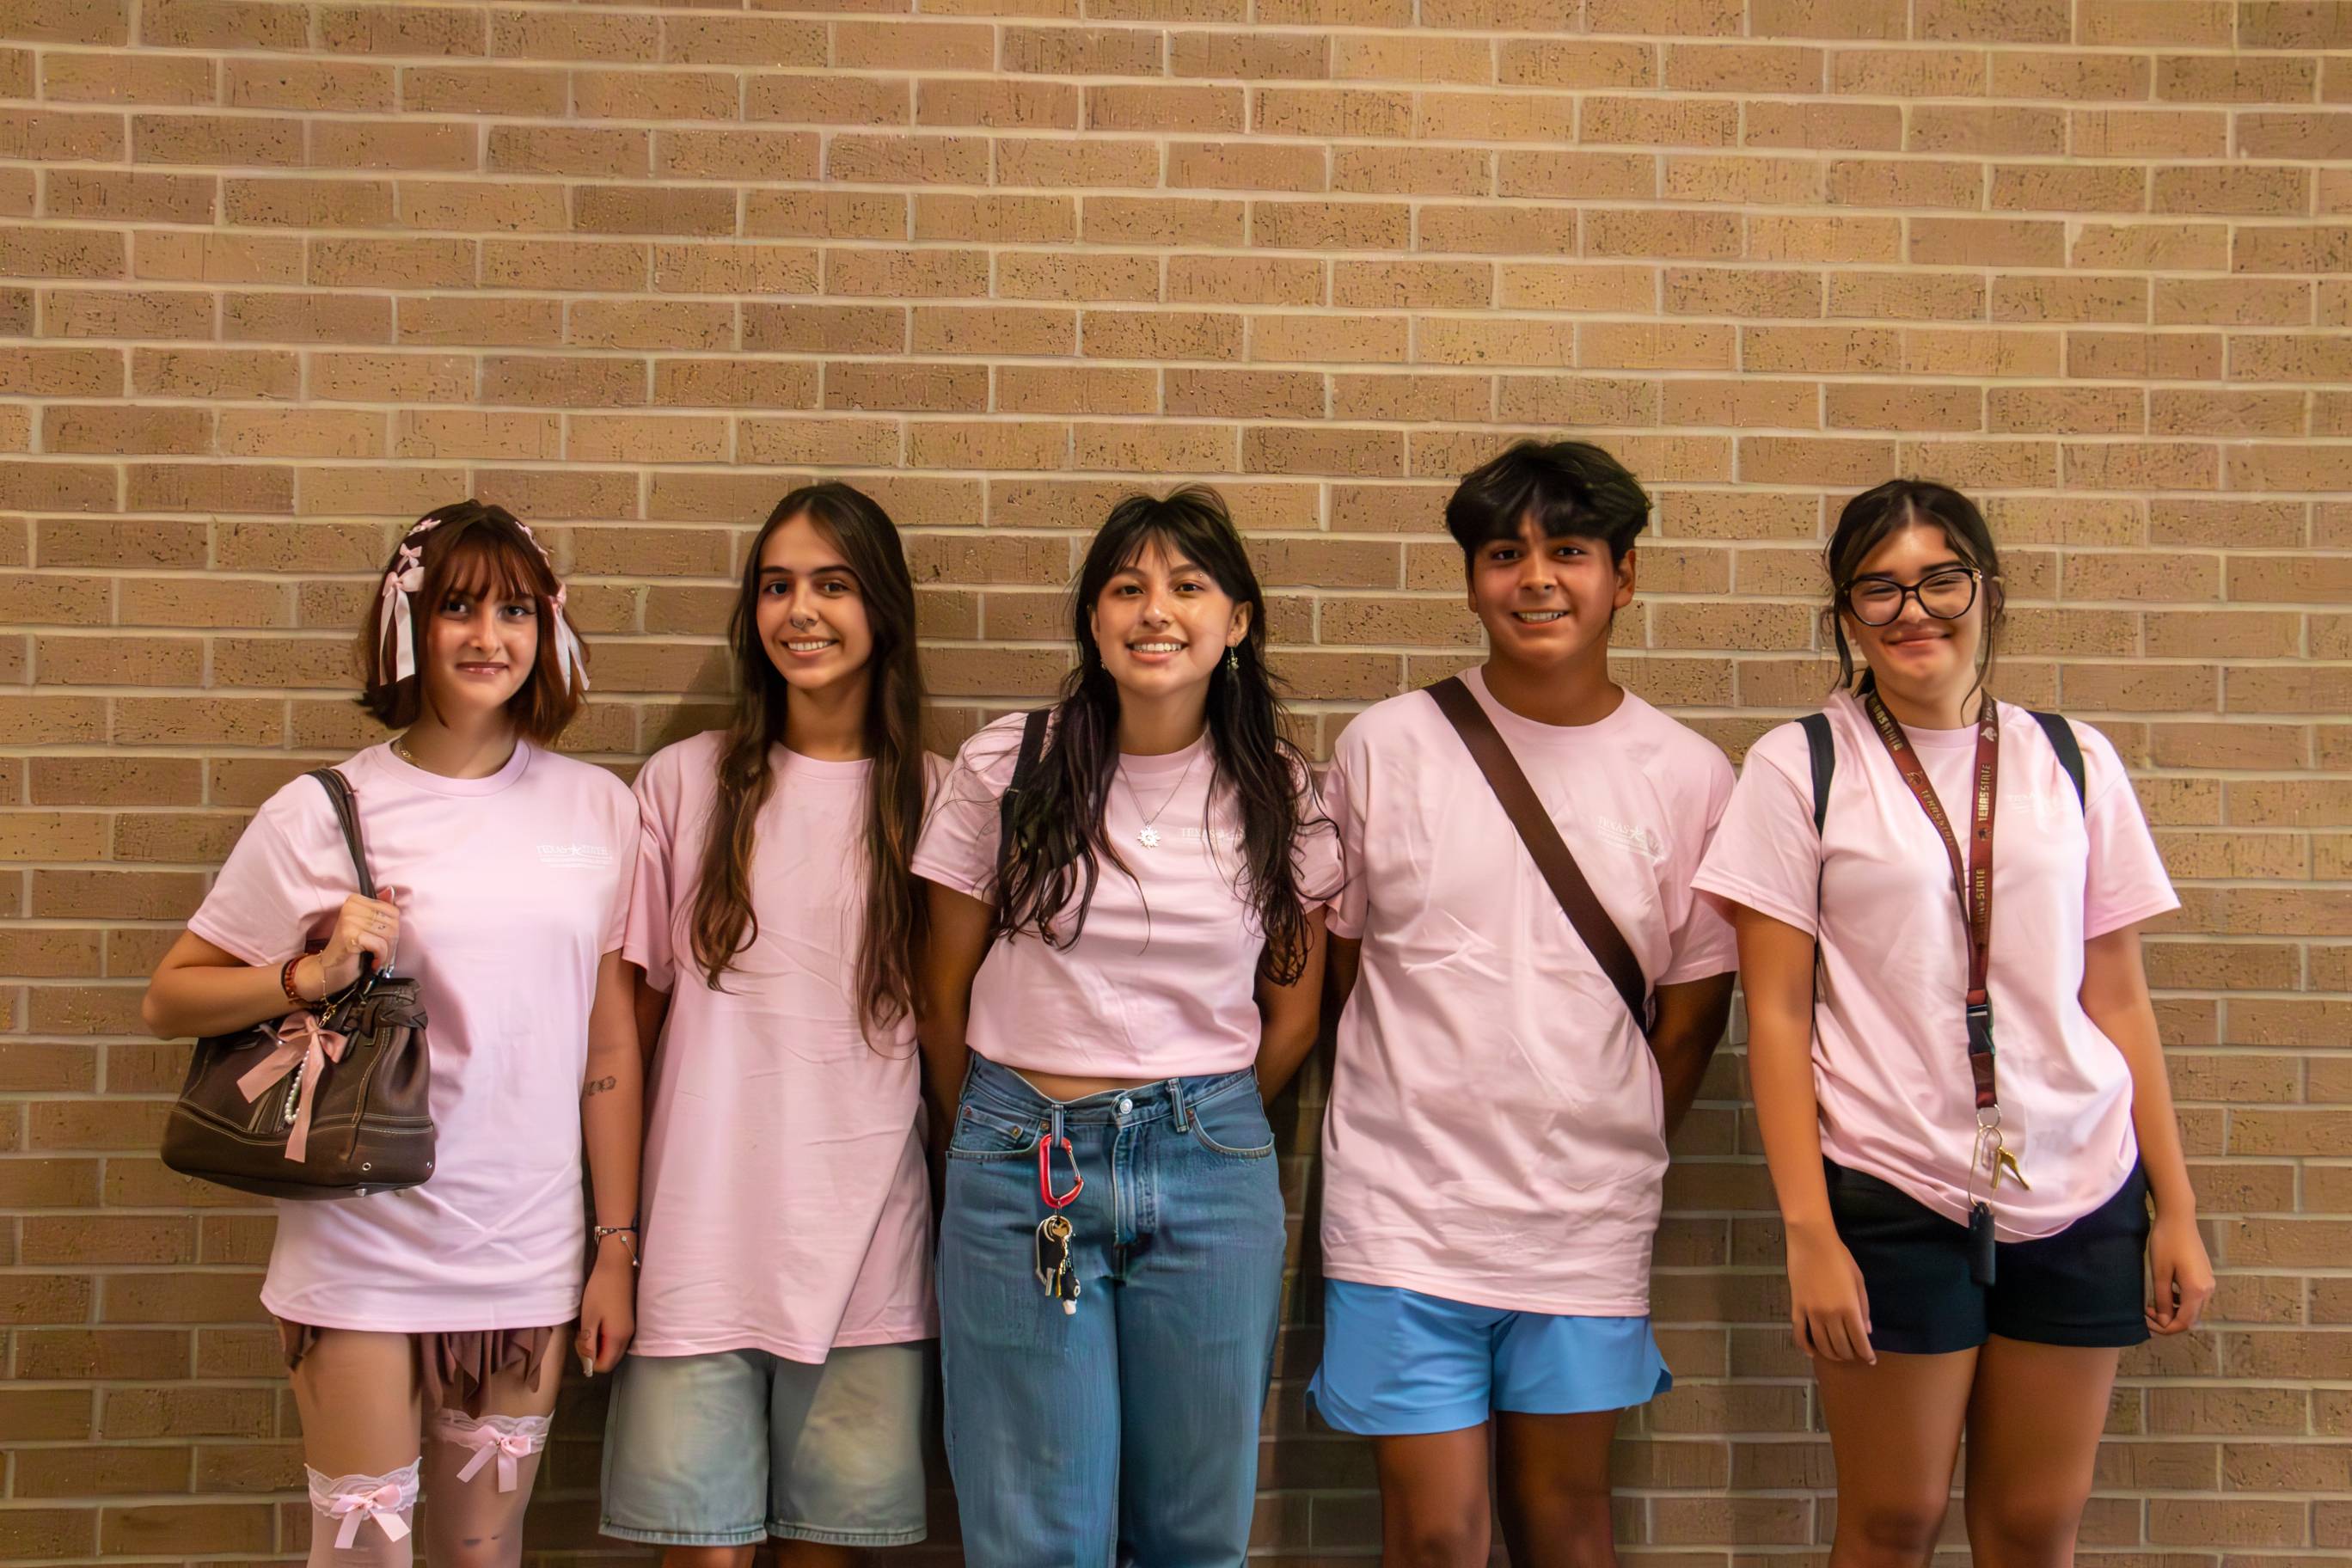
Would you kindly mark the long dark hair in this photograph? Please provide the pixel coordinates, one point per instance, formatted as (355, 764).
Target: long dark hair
(723, 923)
(1054, 859)
(1876, 515)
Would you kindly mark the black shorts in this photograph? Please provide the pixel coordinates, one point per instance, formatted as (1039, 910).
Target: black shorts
(2084, 1286)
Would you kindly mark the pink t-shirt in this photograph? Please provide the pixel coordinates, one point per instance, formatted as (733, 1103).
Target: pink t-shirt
(785, 1204)
(1890, 1037)
(1162, 981)
(1495, 1132)
(512, 888)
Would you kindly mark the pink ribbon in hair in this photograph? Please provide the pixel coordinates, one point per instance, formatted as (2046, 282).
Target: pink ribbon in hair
(570, 657)
(509, 1446)
(382, 1505)
(394, 619)
(300, 1039)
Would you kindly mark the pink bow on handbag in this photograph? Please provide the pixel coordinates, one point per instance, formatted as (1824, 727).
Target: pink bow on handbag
(301, 1039)
(510, 1446)
(382, 1505)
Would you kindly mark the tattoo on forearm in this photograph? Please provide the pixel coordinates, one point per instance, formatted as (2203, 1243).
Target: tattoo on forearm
(596, 1086)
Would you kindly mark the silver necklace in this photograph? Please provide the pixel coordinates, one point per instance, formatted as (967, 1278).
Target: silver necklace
(1148, 835)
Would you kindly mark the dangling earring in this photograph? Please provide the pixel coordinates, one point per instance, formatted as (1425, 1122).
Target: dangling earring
(1233, 662)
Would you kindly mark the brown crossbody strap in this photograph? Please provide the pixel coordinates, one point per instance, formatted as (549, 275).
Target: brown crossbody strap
(1543, 845)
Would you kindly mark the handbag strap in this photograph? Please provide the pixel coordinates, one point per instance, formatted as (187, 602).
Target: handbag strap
(347, 813)
(1544, 844)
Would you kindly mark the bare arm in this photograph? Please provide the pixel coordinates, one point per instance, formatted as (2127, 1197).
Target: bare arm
(652, 1012)
(952, 957)
(611, 1125)
(201, 989)
(1288, 1015)
(1829, 1312)
(2115, 994)
(1683, 1034)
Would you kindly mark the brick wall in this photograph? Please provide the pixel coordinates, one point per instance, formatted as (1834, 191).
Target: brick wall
(276, 276)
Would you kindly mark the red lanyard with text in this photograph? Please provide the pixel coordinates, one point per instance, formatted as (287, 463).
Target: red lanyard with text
(1972, 884)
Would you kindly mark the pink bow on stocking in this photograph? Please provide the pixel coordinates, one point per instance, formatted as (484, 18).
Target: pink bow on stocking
(299, 1040)
(487, 1440)
(382, 1505)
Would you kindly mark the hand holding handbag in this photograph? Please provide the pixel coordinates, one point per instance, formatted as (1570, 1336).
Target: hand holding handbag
(332, 1101)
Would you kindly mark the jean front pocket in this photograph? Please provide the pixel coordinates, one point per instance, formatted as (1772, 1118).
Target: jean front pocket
(983, 1134)
(1233, 1123)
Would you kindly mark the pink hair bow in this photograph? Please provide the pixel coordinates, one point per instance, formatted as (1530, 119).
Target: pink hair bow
(394, 619)
(382, 1505)
(508, 1445)
(570, 657)
(299, 1040)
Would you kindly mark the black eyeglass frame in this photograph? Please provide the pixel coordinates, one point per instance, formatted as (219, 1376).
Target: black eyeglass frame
(1905, 591)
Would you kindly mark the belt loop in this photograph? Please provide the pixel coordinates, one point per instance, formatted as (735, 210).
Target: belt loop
(1176, 1099)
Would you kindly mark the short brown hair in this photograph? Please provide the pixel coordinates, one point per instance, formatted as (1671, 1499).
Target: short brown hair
(481, 550)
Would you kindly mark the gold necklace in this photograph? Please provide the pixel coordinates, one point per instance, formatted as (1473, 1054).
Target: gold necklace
(399, 748)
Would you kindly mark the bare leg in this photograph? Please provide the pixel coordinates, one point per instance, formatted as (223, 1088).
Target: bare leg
(1435, 1508)
(707, 1557)
(476, 1522)
(815, 1554)
(2033, 1439)
(359, 1397)
(1554, 1481)
(1894, 1429)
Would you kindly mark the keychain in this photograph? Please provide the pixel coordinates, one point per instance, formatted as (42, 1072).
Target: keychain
(1051, 1264)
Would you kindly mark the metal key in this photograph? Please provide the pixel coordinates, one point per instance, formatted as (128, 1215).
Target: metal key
(1053, 1262)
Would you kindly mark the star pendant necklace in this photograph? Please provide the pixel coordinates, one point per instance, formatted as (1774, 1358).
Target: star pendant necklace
(1149, 834)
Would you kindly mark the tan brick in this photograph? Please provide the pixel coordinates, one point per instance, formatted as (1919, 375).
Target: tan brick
(837, 100)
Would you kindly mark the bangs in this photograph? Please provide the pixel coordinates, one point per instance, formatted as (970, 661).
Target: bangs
(1182, 537)
(487, 561)
(1556, 515)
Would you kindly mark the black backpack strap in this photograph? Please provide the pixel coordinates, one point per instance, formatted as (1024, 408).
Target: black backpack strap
(2069, 750)
(1824, 747)
(1024, 768)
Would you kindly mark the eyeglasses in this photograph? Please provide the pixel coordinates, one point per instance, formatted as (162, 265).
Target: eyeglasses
(1945, 593)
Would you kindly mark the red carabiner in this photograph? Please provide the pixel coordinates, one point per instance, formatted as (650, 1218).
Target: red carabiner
(1046, 1174)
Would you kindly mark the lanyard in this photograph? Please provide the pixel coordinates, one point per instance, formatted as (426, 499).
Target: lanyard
(1972, 883)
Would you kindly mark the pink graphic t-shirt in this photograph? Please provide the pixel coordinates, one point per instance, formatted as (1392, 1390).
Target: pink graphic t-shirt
(512, 888)
(1495, 1132)
(786, 1207)
(1162, 981)
(1890, 1035)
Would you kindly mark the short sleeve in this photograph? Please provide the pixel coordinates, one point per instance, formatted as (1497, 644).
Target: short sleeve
(646, 941)
(2124, 880)
(269, 897)
(1704, 944)
(958, 849)
(1316, 863)
(1343, 804)
(1766, 853)
(624, 831)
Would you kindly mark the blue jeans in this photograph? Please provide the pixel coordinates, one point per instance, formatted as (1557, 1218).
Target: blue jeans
(1126, 1432)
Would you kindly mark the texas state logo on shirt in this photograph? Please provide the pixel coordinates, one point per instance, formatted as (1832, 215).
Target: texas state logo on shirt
(579, 857)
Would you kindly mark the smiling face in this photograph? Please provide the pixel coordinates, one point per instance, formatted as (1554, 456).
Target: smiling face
(481, 644)
(1919, 656)
(1545, 602)
(811, 608)
(1161, 623)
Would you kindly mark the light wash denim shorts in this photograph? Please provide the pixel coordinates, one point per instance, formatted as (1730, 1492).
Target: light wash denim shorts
(732, 1447)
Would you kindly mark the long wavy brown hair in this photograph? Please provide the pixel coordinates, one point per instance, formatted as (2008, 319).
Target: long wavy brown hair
(723, 923)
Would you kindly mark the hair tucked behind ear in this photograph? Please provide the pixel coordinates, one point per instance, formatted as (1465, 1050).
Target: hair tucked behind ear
(722, 923)
(1054, 861)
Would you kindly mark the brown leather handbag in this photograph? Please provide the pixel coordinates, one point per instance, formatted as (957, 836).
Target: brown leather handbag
(330, 1102)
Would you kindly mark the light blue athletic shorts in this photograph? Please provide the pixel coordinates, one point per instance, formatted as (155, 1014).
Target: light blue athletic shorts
(732, 1447)
(1397, 1363)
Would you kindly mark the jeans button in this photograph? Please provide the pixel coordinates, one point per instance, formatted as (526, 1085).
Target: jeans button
(1125, 1105)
